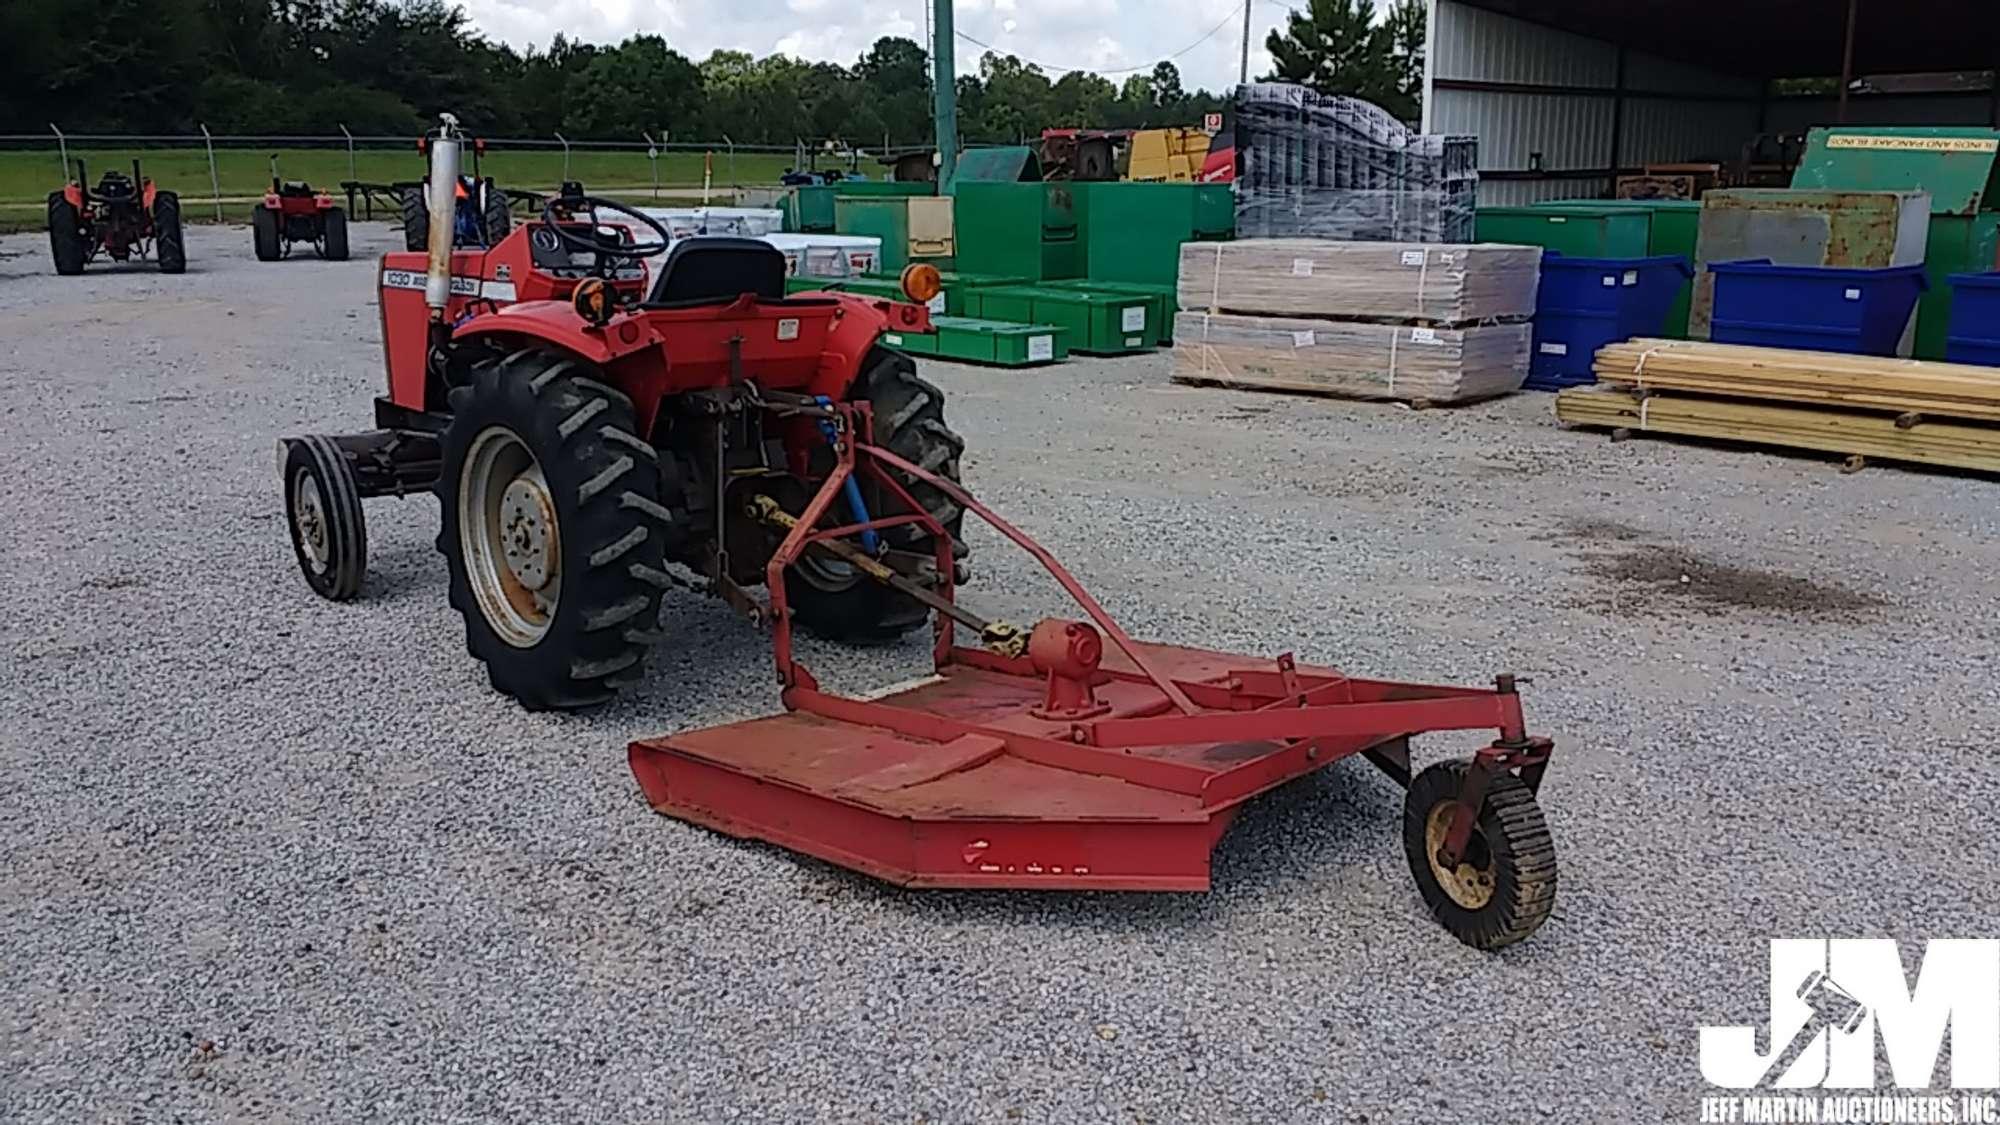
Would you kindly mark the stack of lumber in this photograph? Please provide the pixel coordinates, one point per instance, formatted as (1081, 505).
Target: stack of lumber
(1419, 322)
(1351, 359)
(1400, 281)
(1861, 406)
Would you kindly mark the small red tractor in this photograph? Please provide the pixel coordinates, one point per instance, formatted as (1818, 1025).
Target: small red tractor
(293, 212)
(595, 441)
(479, 208)
(122, 218)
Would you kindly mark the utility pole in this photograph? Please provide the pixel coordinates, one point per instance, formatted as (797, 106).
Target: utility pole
(1244, 75)
(944, 79)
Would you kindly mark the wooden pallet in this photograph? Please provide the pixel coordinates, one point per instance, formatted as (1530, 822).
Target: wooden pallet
(1914, 388)
(1859, 435)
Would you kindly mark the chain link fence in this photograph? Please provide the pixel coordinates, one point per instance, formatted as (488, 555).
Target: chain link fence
(220, 175)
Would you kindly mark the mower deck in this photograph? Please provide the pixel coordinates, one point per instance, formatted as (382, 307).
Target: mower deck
(971, 805)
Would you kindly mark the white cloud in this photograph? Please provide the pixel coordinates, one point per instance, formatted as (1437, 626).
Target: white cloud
(1095, 34)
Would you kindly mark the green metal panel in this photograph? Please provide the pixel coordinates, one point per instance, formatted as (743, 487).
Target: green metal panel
(886, 219)
(1014, 164)
(1017, 230)
(1579, 230)
(1099, 323)
(1958, 244)
(809, 209)
(1134, 232)
(1958, 166)
(882, 188)
(1214, 212)
(1675, 229)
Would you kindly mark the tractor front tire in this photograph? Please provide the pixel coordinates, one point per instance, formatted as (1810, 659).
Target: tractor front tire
(553, 530)
(66, 240)
(168, 248)
(416, 219)
(323, 508)
(495, 220)
(1504, 886)
(831, 599)
(264, 234)
(333, 235)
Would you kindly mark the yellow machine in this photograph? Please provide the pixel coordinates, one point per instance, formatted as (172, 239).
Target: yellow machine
(1173, 156)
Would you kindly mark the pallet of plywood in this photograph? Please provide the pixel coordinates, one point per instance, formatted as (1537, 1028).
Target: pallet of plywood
(1852, 433)
(1350, 359)
(1901, 386)
(1433, 284)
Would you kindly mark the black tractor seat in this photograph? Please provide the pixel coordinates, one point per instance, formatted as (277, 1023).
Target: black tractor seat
(716, 270)
(296, 189)
(115, 186)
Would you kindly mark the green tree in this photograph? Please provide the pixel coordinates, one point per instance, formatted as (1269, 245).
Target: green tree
(1167, 92)
(637, 87)
(1408, 34)
(1336, 47)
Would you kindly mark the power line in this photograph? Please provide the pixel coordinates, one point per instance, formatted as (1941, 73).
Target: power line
(1226, 21)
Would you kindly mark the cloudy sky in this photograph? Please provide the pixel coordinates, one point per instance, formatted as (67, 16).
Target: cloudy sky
(1102, 35)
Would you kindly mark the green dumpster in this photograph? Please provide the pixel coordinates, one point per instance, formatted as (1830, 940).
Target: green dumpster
(1675, 229)
(1580, 230)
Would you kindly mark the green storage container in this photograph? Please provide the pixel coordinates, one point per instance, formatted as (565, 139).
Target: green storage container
(1133, 232)
(1214, 212)
(1164, 301)
(998, 343)
(1017, 230)
(892, 219)
(883, 188)
(1580, 230)
(1675, 229)
(1098, 323)
(809, 209)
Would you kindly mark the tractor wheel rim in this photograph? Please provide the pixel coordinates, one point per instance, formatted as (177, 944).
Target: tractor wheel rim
(510, 537)
(1469, 885)
(309, 520)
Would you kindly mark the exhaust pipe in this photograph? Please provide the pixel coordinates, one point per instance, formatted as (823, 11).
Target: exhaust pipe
(443, 190)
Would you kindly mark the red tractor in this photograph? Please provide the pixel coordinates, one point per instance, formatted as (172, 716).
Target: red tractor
(293, 212)
(123, 218)
(595, 440)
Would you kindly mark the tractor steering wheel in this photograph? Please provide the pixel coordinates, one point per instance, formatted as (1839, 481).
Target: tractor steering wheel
(559, 215)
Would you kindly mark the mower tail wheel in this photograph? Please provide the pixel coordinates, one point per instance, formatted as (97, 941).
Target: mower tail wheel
(832, 600)
(323, 507)
(553, 530)
(494, 217)
(333, 236)
(66, 241)
(168, 247)
(416, 219)
(1504, 886)
(264, 234)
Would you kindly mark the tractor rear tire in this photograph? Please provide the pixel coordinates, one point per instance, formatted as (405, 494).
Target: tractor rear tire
(1504, 887)
(168, 247)
(547, 490)
(66, 241)
(264, 234)
(323, 509)
(495, 220)
(416, 219)
(333, 236)
(834, 602)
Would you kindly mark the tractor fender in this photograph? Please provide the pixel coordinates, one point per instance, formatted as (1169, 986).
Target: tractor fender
(73, 193)
(556, 324)
(146, 197)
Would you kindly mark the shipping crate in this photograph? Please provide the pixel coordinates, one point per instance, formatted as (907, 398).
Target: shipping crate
(1387, 281)
(994, 343)
(1099, 323)
(1350, 359)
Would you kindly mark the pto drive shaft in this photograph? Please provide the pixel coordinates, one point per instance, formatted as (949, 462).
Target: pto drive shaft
(998, 636)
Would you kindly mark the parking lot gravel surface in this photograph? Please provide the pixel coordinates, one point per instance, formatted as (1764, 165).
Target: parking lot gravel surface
(266, 858)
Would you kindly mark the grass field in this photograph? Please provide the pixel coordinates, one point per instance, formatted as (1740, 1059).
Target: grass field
(27, 177)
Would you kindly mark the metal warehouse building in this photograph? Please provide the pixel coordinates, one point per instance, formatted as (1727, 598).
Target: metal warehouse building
(1563, 94)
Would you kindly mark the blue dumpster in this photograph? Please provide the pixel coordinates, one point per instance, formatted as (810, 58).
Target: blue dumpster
(1815, 308)
(1586, 303)
(1975, 319)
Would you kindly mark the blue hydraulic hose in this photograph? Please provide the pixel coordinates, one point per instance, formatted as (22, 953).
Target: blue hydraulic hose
(851, 488)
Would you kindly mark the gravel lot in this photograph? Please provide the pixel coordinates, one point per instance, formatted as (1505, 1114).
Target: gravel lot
(270, 859)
